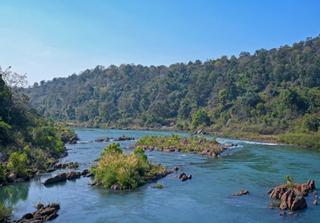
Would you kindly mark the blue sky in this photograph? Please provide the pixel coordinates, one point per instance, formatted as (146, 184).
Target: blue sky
(55, 38)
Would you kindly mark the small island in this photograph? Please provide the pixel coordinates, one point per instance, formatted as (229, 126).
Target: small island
(118, 170)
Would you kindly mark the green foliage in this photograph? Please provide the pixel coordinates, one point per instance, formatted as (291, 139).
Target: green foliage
(193, 144)
(5, 213)
(2, 173)
(112, 149)
(18, 164)
(290, 181)
(200, 117)
(159, 185)
(268, 92)
(127, 170)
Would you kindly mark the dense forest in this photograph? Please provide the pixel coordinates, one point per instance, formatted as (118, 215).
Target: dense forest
(271, 92)
(29, 143)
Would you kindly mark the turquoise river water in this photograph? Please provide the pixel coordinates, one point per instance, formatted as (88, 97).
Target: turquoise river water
(254, 166)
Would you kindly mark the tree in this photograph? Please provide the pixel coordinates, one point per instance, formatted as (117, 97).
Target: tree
(223, 96)
(18, 164)
(200, 117)
(15, 83)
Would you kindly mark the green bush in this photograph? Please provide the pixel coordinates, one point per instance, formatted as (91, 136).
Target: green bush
(127, 170)
(18, 164)
(159, 185)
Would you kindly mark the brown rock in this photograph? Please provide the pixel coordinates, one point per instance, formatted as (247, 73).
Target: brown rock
(283, 205)
(181, 175)
(175, 168)
(282, 213)
(299, 204)
(27, 216)
(190, 177)
(47, 211)
(315, 202)
(184, 178)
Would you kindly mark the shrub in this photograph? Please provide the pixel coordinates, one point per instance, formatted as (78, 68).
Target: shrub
(18, 164)
(2, 173)
(5, 213)
(159, 185)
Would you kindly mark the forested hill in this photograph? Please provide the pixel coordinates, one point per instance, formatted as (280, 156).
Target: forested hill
(269, 92)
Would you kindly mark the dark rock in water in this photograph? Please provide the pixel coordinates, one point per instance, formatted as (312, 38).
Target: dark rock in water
(184, 178)
(89, 175)
(283, 213)
(73, 175)
(116, 187)
(42, 214)
(123, 138)
(299, 204)
(84, 172)
(181, 175)
(190, 177)
(56, 179)
(175, 168)
(242, 192)
(27, 216)
(270, 191)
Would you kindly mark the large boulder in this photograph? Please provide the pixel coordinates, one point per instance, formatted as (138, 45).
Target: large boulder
(56, 179)
(299, 204)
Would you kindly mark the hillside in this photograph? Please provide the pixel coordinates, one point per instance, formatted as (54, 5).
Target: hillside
(271, 92)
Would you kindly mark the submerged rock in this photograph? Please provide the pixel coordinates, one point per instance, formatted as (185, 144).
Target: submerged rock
(242, 192)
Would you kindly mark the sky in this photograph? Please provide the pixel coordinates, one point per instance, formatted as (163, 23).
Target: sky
(56, 38)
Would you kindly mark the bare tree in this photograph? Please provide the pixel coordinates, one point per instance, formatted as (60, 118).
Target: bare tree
(15, 84)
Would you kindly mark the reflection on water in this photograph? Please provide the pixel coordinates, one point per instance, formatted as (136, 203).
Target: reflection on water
(206, 198)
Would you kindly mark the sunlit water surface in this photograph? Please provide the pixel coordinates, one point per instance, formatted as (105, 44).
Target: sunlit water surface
(254, 166)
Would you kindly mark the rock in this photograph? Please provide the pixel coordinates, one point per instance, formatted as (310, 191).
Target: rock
(56, 179)
(89, 175)
(27, 216)
(47, 211)
(283, 205)
(242, 192)
(181, 175)
(124, 138)
(116, 187)
(184, 178)
(12, 177)
(299, 204)
(270, 191)
(175, 168)
(282, 213)
(84, 172)
(73, 175)
(190, 177)
(315, 202)
(52, 216)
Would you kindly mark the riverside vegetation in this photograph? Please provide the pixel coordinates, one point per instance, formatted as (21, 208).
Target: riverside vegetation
(119, 170)
(272, 94)
(29, 143)
(177, 143)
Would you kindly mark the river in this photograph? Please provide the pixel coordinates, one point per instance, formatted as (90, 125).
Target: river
(254, 166)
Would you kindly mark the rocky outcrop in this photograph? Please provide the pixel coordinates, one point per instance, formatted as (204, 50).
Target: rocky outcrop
(42, 214)
(292, 195)
(242, 192)
(59, 166)
(73, 175)
(123, 138)
(183, 177)
(59, 178)
(105, 139)
(199, 132)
